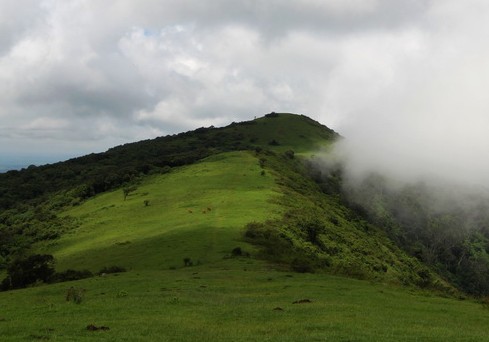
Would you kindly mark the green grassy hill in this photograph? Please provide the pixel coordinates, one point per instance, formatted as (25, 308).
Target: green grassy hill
(259, 199)
(96, 173)
(197, 211)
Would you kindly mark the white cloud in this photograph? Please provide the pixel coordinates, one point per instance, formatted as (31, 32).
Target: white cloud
(404, 81)
(430, 120)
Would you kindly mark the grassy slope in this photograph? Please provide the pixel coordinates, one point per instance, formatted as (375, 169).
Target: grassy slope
(221, 298)
(291, 131)
(196, 212)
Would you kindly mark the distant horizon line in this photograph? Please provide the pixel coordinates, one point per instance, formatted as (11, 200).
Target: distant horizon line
(19, 162)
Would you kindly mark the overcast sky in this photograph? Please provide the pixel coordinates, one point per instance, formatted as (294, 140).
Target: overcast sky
(402, 80)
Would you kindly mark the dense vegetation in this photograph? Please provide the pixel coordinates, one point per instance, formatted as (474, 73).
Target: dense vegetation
(363, 231)
(444, 227)
(318, 232)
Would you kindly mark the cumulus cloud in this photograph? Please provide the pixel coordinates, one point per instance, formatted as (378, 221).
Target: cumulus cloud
(403, 81)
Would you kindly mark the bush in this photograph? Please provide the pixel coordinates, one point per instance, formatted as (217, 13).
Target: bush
(237, 251)
(70, 275)
(24, 272)
(289, 154)
(276, 245)
(111, 269)
(74, 294)
(187, 262)
(302, 265)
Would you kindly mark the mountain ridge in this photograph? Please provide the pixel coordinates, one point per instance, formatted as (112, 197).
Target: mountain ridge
(98, 172)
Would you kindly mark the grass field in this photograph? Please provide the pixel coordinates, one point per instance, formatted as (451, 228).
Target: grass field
(236, 300)
(199, 212)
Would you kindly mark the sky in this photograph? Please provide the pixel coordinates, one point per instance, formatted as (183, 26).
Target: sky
(404, 82)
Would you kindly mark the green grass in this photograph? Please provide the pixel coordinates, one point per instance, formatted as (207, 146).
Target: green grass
(234, 300)
(290, 131)
(220, 298)
(196, 211)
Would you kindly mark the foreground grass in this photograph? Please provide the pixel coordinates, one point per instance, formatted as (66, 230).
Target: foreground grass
(236, 300)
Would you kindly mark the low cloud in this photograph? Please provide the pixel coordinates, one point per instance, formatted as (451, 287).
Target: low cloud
(429, 120)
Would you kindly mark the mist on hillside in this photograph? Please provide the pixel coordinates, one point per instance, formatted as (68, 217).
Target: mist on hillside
(424, 181)
(427, 141)
(413, 159)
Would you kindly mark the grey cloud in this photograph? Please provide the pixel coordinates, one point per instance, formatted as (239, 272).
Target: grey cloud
(399, 79)
(279, 17)
(16, 20)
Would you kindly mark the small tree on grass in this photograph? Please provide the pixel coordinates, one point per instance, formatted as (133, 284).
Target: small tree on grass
(127, 190)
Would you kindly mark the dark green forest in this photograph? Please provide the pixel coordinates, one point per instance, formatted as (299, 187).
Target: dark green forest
(445, 228)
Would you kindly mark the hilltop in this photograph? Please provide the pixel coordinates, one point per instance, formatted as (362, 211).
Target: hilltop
(99, 172)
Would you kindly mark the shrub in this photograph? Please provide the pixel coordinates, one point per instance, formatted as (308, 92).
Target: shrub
(254, 230)
(334, 221)
(237, 251)
(75, 294)
(187, 261)
(424, 278)
(312, 228)
(484, 301)
(70, 275)
(111, 269)
(289, 154)
(302, 265)
(276, 245)
(24, 272)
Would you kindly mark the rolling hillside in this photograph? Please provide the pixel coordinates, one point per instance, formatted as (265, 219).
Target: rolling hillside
(233, 241)
(197, 211)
